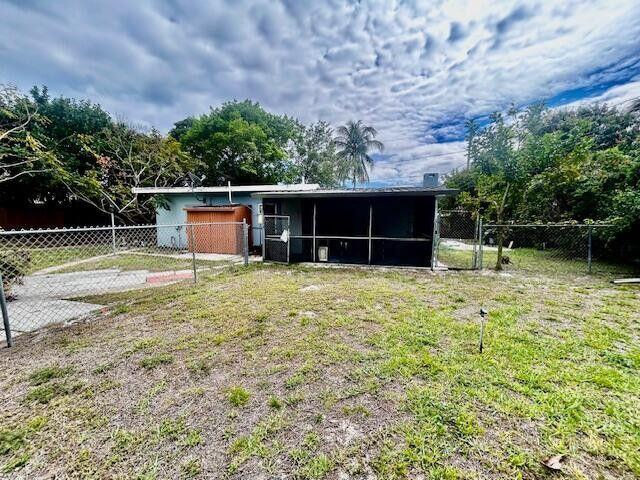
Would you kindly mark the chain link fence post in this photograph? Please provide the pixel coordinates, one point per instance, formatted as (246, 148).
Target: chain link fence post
(113, 234)
(193, 255)
(435, 240)
(474, 262)
(5, 314)
(480, 244)
(245, 242)
(589, 244)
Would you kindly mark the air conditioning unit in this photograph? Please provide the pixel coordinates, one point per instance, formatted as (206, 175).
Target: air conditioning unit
(323, 254)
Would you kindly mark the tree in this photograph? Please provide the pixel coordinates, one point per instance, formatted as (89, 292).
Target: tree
(354, 142)
(20, 153)
(181, 127)
(558, 165)
(242, 143)
(60, 131)
(472, 131)
(61, 151)
(128, 158)
(313, 152)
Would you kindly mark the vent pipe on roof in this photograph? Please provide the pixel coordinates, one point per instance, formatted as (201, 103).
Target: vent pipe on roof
(430, 180)
(229, 185)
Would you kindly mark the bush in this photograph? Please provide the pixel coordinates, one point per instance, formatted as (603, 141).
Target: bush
(14, 265)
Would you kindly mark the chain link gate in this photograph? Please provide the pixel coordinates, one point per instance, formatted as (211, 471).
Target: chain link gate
(457, 244)
(276, 246)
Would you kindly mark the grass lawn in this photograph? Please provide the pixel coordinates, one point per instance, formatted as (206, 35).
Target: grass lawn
(40, 258)
(530, 260)
(128, 262)
(274, 372)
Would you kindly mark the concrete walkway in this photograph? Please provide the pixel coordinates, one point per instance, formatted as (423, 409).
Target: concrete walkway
(44, 299)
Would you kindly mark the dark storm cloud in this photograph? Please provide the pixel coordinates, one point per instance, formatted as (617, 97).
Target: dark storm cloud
(413, 69)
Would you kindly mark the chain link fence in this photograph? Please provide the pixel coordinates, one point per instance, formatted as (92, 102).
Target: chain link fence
(551, 249)
(57, 275)
(457, 240)
(464, 242)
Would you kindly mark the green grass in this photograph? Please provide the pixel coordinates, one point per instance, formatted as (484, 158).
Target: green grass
(49, 257)
(45, 374)
(238, 396)
(384, 379)
(191, 468)
(153, 361)
(530, 260)
(129, 262)
(98, 257)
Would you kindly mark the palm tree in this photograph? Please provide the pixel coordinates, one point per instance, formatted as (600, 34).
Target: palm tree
(354, 142)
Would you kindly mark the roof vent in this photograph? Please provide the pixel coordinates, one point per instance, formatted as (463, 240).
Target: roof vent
(430, 180)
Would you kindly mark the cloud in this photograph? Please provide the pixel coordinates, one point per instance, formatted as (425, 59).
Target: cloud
(413, 69)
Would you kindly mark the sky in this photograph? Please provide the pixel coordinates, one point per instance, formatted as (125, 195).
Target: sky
(414, 70)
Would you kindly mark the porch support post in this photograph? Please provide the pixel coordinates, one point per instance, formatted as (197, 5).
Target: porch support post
(314, 231)
(434, 239)
(370, 228)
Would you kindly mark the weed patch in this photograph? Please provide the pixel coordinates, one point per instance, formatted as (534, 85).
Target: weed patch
(238, 396)
(44, 375)
(153, 361)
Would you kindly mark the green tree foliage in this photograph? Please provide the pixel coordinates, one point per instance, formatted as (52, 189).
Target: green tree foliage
(21, 155)
(554, 166)
(58, 151)
(64, 129)
(240, 142)
(314, 155)
(127, 158)
(355, 141)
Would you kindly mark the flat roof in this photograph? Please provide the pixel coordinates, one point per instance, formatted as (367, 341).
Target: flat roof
(295, 187)
(363, 192)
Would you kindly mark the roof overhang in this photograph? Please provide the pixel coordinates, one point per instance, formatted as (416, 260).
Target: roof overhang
(223, 190)
(364, 192)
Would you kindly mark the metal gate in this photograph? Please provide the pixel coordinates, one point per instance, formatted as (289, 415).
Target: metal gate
(276, 244)
(457, 241)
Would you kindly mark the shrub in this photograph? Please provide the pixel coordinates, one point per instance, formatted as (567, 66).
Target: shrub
(14, 265)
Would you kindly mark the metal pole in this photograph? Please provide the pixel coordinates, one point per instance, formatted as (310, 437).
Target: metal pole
(314, 231)
(480, 244)
(245, 241)
(589, 249)
(288, 239)
(113, 233)
(370, 229)
(193, 256)
(434, 238)
(5, 314)
(264, 236)
(475, 243)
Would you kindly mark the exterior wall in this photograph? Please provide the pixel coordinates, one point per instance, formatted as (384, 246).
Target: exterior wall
(176, 215)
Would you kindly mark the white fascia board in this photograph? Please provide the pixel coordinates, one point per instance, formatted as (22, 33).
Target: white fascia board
(234, 188)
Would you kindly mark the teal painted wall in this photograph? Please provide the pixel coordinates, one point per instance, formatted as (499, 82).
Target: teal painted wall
(176, 215)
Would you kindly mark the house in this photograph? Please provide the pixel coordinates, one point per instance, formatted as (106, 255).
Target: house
(232, 203)
(378, 226)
